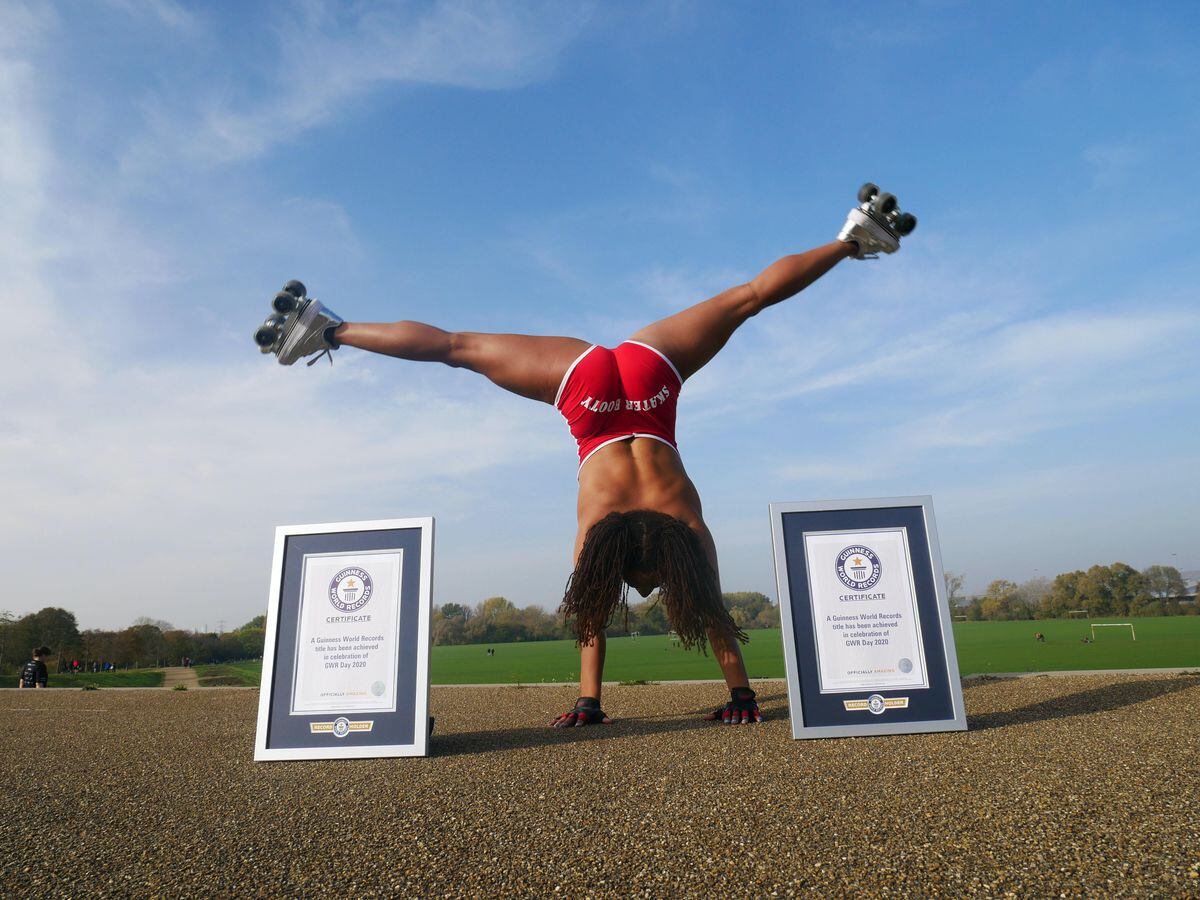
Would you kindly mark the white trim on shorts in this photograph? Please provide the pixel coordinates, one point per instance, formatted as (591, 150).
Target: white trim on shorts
(624, 437)
(562, 384)
(661, 354)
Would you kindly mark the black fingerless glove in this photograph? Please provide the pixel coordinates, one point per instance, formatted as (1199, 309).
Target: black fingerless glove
(588, 709)
(741, 708)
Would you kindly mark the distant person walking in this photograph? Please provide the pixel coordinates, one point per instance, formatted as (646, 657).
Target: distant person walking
(33, 673)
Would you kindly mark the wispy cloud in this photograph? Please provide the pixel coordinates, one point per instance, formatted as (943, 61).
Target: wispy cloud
(850, 330)
(669, 290)
(1077, 343)
(145, 217)
(141, 458)
(1027, 379)
(165, 12)
(1112, 162)
(327, 59)
(22, 24)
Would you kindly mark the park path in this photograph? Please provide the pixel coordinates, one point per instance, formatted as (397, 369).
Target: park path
(180, 675)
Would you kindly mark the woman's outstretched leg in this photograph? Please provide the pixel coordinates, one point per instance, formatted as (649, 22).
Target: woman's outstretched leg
(524, 364)
(692, 337)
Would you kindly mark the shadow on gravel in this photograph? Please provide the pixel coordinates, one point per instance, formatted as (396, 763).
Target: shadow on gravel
(1104, 699)
(766, 703)
(543, 736)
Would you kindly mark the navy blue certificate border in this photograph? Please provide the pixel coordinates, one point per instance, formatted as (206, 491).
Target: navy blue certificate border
(939, 706)
(287, 732)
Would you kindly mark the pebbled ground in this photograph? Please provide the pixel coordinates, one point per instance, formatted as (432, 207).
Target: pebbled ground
(1080, 786)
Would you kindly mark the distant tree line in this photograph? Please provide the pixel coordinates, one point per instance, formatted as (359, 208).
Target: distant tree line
(150, 642)
(147, 642)
(1115, 590)
(497, 621)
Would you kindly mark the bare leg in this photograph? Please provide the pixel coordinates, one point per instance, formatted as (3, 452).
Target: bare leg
(694, 336)
(530, 366)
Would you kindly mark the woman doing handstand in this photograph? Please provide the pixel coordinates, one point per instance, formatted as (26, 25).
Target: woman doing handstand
(640, 519)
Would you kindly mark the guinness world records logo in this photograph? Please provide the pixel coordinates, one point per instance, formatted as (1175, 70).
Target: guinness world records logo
(859, 568)
(350, 589)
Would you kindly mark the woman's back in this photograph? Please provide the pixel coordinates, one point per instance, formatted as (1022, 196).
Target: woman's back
(639, 473)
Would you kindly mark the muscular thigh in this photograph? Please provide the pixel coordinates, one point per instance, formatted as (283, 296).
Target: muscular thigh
(525, 364)
(694, 336)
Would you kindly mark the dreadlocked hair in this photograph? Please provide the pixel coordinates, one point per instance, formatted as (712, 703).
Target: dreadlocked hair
(687, 584)
(597, 586)
(652, 542)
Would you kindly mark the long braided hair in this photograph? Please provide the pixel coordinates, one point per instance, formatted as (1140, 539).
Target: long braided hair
(652, 542)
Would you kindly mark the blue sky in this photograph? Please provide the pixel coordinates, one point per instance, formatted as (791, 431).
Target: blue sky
(1028, 358)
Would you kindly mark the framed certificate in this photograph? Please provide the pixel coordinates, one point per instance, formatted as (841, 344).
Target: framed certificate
(867, 637)
(346, 660)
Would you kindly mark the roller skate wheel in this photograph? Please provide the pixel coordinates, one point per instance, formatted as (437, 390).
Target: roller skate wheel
(296, 289)
(867, 191)
(906, 223)
(885, 203)
(266, 336)
(285, 302)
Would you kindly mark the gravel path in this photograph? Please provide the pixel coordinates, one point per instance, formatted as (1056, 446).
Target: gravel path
(174, 675)
(1082, 786)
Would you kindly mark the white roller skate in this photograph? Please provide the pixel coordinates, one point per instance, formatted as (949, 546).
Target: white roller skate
(876, 224)
(300, 326)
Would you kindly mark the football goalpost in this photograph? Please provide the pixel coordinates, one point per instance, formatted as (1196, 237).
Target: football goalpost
(1078, 612)
(1128, 625)
(962, 618)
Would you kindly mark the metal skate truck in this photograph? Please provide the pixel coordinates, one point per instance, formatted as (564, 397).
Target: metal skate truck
(877, 223)
(299, 326)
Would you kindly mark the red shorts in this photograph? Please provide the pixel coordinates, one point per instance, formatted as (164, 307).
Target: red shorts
(612, 395)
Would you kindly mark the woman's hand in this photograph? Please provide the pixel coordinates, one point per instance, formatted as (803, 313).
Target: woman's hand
(587, 711)
(742, 709)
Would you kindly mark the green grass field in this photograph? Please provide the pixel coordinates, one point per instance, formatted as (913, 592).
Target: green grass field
(130, 678)
(648, 658)
(1167, 642)
(983, 647)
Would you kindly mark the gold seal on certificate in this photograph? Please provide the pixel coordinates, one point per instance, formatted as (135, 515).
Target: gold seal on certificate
(864, 611)
(346, 640)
